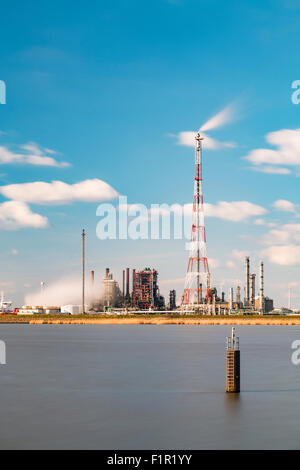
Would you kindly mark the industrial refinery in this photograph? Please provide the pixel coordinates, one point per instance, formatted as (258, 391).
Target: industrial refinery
(140, 293)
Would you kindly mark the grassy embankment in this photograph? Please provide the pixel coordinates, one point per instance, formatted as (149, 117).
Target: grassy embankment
(159, 319)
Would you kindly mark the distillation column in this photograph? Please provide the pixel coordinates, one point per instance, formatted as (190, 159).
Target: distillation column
(252, 289)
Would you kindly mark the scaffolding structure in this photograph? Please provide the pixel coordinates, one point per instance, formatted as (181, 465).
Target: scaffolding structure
(144, 289)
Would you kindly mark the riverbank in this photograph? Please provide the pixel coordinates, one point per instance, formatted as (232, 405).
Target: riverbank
(150, 320)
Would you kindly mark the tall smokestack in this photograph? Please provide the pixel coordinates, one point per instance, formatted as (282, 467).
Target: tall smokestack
(247, 272)
(83, 269)
(123, 290)
(106, 273)
(252, 289)
(92, 278)
(261, 288)
(133, 287)
(127, 282)
(238, 295)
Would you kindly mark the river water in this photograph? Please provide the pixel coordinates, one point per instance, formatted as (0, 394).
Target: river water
(147, 387)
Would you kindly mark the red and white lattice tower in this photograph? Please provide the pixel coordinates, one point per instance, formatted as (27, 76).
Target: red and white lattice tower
(197, 281)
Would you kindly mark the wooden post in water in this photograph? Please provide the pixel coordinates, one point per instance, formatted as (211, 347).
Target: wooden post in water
(232, 363)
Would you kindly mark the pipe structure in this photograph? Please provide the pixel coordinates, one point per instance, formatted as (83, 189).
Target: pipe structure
(92, 278)
(83, 269)
(127, 282)
(133, 286)
(106, 273)
(247, 280)
(238, 295)
(123, 289)
(230, 298)
(261, 287)
(247, 272)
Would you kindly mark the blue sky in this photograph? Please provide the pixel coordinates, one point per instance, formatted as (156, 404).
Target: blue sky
(108, 86)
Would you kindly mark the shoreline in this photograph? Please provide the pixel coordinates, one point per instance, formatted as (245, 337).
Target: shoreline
(156, 320)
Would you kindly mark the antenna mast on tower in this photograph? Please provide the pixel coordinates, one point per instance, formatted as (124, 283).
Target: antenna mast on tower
(197, 281)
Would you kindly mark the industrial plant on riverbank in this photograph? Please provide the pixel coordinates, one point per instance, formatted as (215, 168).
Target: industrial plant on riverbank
(140, 291)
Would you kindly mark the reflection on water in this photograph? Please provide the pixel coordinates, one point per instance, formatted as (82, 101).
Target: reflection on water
(232, 400)
(141, 386)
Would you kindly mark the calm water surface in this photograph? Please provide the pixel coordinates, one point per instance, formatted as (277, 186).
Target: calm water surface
(147, 387)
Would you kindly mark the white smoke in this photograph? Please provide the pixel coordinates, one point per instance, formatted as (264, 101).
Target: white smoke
(66, 291)
(225, 116)
(188, 138)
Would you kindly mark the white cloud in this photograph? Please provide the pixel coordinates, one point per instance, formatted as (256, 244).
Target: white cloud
(287, 142)
(32, 155)
(284, 205)
(276, 236)
(285, 255)
(16, 214)
(58, 192)
(32, 147)
(272, 170)
(260, 221)
(235, 211)
(288, 233)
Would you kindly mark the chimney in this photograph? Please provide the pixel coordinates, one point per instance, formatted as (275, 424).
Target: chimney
(261, 288)
(123, 283)
(92, 278)
(247, 270)
(127, 282)
(133, 287)
(106, 273)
